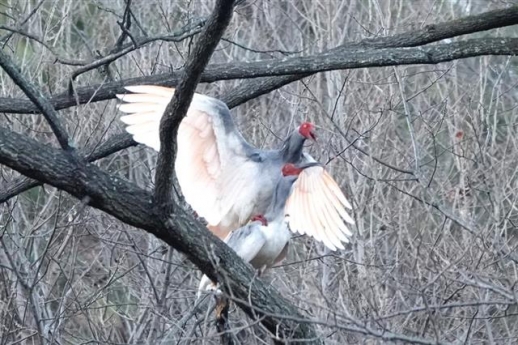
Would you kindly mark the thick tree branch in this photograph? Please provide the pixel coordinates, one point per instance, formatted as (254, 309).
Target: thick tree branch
(134, 206)
(38, 99)
(257, 87)
(114, 144)
(440, 31)
(335, 60)
(428, 34)
(369, 58)
(177, 108)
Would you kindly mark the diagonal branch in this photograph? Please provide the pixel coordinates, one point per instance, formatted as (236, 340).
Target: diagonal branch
(177, 108)
(134, 206)
(453, 28)
(41, 102)
(338, 59)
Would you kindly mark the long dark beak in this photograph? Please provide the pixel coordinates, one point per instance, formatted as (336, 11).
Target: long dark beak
(309, 165)
(316, 143)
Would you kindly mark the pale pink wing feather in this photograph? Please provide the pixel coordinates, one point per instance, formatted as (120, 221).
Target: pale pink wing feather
(214, 173)
(317, 207)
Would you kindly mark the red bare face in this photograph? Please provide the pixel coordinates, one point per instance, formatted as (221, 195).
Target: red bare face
(290, 170)
(307, 130)
(260, 218)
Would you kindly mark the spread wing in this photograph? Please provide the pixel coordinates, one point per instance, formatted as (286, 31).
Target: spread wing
(317, 207)
(212, 163)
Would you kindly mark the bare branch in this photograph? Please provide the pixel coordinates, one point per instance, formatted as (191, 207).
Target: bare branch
(177, 108)
(38, 99)
(134, 206)
(362, 58)
(440, 31)
(429, 34)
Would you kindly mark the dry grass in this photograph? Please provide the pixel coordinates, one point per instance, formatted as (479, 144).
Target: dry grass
(434, 252)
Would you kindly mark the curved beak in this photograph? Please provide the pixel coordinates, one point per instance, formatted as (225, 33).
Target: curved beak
(312, 136)
(315, 142)
(310, 165)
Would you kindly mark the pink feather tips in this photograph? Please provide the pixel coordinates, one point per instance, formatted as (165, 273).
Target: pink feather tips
(307, 130)
(260, 218)
(290, 170)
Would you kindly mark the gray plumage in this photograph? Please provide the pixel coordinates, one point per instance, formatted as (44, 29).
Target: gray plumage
(263, 246)
(226, 180)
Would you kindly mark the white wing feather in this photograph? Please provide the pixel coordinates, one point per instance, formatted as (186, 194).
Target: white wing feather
(213, 170)
(316, 207)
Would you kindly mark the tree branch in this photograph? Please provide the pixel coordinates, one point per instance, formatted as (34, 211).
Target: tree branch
(44, 106)
(428, 34)
(362, 58)
(453, 28)
(134, 206)
(114, 144)
(177, 108)
(254, 88)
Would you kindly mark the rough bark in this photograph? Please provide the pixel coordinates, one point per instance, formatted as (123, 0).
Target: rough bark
(134, 206)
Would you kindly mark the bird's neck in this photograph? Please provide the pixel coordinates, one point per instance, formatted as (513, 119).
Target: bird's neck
(280, 196)
(292, 148)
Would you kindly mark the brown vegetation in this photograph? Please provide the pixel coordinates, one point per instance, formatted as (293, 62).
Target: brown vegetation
(416, 120)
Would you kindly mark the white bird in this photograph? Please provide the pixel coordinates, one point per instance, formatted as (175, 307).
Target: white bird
(264, 241)
(226, 180)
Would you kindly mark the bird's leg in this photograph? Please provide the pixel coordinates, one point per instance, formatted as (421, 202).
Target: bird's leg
(260, 271)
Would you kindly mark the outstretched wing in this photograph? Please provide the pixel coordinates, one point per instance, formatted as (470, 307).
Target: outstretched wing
(317, 207)
(213, 162)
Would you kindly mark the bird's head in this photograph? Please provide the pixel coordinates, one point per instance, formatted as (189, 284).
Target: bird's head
(259, 218)
(307, 130)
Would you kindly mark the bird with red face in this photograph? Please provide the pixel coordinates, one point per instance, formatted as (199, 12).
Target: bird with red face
(264, 241)
(226, 180)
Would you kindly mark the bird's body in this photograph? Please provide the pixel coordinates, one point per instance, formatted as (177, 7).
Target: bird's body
(272, 237)
(262, 166)
(245, 163)
(276, 238)
(264, 241)
(260, 245)
(226, 180)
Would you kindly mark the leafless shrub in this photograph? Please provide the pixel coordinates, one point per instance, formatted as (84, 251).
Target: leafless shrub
(427, 154)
